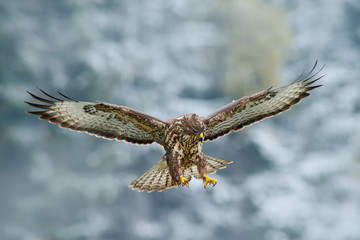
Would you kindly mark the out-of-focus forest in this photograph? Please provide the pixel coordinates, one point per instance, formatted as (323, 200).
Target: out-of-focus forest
(294, 176)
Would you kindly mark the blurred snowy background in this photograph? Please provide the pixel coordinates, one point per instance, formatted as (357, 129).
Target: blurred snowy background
(295, 176)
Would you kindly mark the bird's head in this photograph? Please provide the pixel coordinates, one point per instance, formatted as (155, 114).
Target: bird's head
(194, 125)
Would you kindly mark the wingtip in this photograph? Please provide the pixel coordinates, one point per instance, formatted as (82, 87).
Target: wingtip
(50, 96)
(308, 78)
(313, 87)
(37, 113)
(40, 99)
(31, 94)
(41, 106)
(69, 98)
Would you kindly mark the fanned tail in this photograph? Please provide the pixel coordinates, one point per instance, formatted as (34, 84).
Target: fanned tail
(214, 163)
(158, 176)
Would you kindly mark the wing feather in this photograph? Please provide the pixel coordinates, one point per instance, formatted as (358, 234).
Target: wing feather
(100, 119)
(250, 109)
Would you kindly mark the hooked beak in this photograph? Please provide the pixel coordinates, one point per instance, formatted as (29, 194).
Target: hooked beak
(201, 136)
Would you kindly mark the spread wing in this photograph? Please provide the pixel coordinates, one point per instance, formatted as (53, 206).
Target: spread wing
(250, 109)
(100, 119)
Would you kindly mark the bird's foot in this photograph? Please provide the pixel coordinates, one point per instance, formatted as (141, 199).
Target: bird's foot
(210, 181)
(184, 181)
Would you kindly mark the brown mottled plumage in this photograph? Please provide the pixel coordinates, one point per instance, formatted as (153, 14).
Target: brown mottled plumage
(182, 137)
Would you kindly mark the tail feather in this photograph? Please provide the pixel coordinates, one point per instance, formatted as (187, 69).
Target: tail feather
(187, 173)
(194, 171)
(154, 181)
(164, 180)
(214, 163)
(149, 180)
(158, 176)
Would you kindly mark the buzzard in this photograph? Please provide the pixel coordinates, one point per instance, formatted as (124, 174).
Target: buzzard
(181, 137)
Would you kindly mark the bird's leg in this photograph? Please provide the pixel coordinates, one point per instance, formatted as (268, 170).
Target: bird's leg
(173, 161)
(201, 165)
(208, 180)
(184, 181)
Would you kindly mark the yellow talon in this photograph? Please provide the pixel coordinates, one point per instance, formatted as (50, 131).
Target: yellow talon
(210, 181)
(184, 181)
